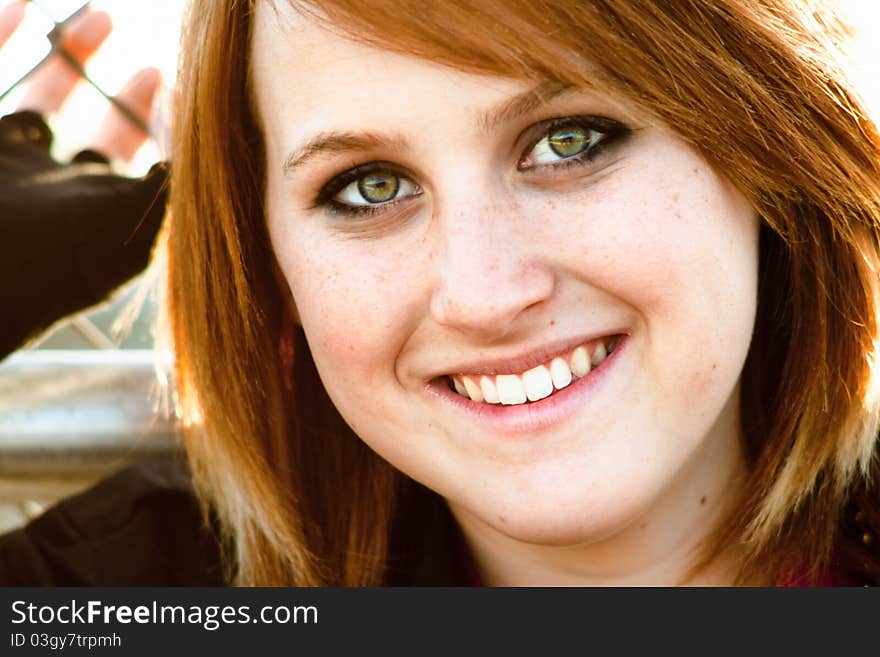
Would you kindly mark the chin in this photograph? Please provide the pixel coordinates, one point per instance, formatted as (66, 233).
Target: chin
(561, 521)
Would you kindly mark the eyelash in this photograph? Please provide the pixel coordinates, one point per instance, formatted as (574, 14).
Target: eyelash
(613, 133)
(343, 180)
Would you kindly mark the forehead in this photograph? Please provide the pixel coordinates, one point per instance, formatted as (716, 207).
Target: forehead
(302, 68)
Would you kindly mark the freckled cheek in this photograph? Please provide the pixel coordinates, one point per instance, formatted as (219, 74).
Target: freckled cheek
(329, 298)
(669, 242)
(705, 378)
(354, 313)
(683, 259)
(633, 246)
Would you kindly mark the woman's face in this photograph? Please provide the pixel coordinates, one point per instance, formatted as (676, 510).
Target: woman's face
(440, 229)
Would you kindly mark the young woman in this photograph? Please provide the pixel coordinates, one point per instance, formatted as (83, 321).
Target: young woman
(527, 292)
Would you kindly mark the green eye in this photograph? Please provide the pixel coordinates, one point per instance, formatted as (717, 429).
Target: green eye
(371, 187)
(568, 141)
(379, 186)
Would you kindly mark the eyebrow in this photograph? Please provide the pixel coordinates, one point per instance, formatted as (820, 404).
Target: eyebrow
(521, 104)
(340, 142)
(336, 142)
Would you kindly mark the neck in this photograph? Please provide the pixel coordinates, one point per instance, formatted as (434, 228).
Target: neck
(658, 548)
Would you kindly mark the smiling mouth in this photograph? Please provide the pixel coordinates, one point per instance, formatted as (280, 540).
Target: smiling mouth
(538, 382)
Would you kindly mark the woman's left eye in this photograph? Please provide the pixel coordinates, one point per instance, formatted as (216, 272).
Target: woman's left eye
(373, 188)
(571, 139)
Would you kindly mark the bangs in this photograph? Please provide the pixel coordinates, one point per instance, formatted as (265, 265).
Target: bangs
(522, 40)
(704, 68)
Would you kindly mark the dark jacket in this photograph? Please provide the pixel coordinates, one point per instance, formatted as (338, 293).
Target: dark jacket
(142, 527)
(69, 233)
(139, 527)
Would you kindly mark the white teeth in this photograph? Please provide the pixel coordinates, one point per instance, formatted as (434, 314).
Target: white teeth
(537, 383)
(510, 389)
(473, 390)
(580, 362)
(490, 394)
(560, 373)
(599, 354)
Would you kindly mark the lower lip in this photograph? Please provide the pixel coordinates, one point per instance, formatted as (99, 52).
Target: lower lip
(541, 415)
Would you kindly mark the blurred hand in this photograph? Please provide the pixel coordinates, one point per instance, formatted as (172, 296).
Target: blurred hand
(10, 17)
(117, 137)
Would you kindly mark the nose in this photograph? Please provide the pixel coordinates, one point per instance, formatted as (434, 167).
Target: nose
(491, 276)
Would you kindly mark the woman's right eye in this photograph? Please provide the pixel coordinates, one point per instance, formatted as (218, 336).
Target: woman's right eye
(367, 189)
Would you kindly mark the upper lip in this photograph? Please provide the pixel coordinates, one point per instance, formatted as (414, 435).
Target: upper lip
(525, 360)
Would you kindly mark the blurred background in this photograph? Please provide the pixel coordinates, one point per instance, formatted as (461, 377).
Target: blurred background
(144, 34)
(87, 396)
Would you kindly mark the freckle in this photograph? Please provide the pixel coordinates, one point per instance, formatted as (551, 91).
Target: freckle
(703, 500)
(675, 197)
(642, 525)
(502, 520)
(552, 322)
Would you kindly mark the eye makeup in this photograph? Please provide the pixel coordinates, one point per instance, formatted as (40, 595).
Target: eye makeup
(570, 141)
(551, 148)
(356, 176)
